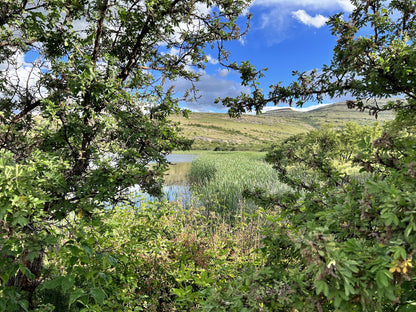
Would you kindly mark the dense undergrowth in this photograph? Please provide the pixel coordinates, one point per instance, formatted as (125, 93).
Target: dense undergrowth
(160, 257)
(301, 232)
(343, 236)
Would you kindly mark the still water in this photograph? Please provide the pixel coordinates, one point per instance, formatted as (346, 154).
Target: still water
(180, 158)
(176, 180)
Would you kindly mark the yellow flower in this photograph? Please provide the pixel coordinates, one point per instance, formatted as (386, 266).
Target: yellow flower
(399, 266)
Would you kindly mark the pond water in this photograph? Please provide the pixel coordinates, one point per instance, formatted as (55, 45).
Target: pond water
(181, 158)
(176, 180)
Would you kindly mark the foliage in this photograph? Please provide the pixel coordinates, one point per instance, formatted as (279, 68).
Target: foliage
(340, 146)
(251, 291)
(25, 225)
(156, 258)
(342, 241)
(85, 98)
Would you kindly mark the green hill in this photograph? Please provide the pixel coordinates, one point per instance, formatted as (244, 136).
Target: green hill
(337, 114)
(251, 132)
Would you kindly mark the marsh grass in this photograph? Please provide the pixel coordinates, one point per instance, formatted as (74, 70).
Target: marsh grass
(219, 179)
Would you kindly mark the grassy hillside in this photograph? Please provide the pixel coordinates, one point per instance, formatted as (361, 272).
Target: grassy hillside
(219, 131)
(337, 114)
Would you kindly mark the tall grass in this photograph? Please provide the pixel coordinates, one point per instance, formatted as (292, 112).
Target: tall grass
(220, 178)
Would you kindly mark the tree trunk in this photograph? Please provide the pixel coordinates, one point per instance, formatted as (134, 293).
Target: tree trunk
(22, 281)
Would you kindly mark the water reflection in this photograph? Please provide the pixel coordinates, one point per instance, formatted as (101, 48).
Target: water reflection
(178, 193)
(176, 187)
(178, 174)
(176, 181)
(180, 158)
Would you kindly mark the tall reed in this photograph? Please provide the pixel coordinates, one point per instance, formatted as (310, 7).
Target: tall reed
(219, 180)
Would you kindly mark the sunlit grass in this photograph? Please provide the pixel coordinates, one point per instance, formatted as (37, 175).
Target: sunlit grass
(256, 133)
(219, 180)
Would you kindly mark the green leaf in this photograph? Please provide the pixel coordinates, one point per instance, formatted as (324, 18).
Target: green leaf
(321, 287)
(67, 283)
(4, 277)
(98, 294)
(51, 284)
(24, 304)
(27, 272)
(113, 261)
(348, 288)
(20, 220)
(337, 301)
(382, 278)
(408, 230)
(87, 249)
(390, 294)
(75, 295)
(32, 255)
(400, 252)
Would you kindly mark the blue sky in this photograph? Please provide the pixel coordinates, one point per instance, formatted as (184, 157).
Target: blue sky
(285, 35)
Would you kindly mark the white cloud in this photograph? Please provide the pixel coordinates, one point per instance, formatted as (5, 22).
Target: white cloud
(316, 21)
(212, 60)
(302, 109)
(210, 87)
(80, 26)
(276, 23)
(278, 16)
(22, 76)
(203, 9)
(223, 72)
(345, 5)
(174, 51)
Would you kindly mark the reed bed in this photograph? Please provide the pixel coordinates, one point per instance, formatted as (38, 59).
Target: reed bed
(219, 179)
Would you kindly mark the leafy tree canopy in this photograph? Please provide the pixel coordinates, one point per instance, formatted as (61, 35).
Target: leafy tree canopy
(374, 57)
(345, 240)
(84, 107)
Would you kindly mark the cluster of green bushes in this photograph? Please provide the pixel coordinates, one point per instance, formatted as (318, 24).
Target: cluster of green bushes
(331, 227)
(224, 146)
(343, 235)
(156, 258)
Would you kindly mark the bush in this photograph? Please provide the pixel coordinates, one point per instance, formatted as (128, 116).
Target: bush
(342, 243)
(159, 257)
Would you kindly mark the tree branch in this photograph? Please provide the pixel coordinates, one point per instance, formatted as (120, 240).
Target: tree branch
(28, 108)
(10, 43)
(137, 47)
(100, 24)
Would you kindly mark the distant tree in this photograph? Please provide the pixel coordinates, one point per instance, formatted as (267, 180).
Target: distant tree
(84, 111)
(346, 241)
